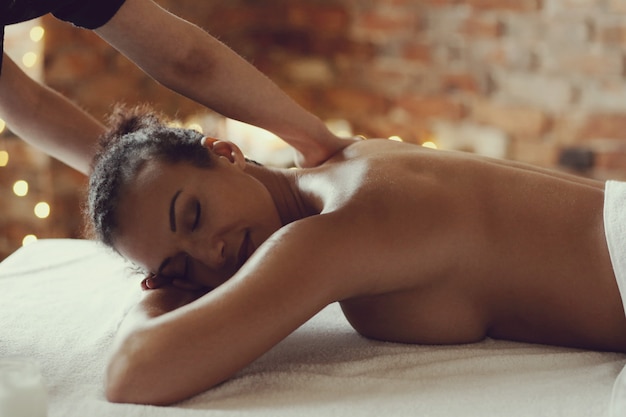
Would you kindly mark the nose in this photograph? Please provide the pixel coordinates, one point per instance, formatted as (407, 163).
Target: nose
(209, 252)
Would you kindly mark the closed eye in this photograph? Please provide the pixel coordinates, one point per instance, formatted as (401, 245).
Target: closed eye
(197, 218)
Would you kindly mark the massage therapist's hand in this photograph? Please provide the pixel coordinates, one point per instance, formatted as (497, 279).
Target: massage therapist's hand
(322, 150)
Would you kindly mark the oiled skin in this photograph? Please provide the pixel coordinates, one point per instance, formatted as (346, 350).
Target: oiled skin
(484, 249)
(418, 246)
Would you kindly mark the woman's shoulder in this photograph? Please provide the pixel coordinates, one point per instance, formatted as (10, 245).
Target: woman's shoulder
(372, 148)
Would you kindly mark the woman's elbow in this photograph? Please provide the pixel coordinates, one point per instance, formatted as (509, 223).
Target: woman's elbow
(130, 390)
(130, 378)
(116, 388)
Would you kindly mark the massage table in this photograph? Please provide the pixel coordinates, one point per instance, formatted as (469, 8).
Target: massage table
(62, 301)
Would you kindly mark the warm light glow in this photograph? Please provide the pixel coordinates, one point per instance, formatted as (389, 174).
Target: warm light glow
(36, 33)
(42, 210)
(29, 59)
(396, 138)
(20, 188)
(3, 125)
(340, 127)
(28, 239)
(4, 158)
(195, 126)
(429, 144)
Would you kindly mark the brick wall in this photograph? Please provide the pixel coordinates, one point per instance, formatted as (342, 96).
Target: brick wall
(526, 78)
(530, 80)
(534, 76)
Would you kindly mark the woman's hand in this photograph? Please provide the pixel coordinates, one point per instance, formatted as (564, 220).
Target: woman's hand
(153, 282)
(163, 295)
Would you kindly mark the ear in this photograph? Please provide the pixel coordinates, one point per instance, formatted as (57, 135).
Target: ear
(226, 149)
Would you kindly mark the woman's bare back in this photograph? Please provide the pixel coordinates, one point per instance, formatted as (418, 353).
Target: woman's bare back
(418, 246)
(451, 248)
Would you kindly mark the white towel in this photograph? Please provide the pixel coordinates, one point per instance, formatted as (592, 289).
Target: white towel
(61, 302)
(615, 230)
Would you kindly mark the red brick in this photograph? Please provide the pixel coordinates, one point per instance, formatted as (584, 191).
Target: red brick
(610, 161)
(509, 55)
(323, 19)
(226, 18)
(461, 81)
(614, 35)
(534, 152)
(419, 52)
(567, 128)
(605, 126)
(356, 102)
(355, 49)
(375, 22)
(517, 121)
(389, 78)
(441, 3)
(480, 27)
(73, 65)
(432, 107)
(511, 5)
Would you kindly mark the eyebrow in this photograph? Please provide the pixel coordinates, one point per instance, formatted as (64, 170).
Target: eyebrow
(173, 210)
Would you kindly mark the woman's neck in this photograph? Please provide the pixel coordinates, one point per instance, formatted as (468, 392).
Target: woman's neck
(283, 185)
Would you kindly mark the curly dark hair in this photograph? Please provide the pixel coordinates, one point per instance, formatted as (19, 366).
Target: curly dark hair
(136, 135)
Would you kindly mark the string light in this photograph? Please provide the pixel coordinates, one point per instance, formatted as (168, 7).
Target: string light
(20, 188)
(42, 210)
(28, 239)
(25, 42)
(395, 138)
(4, 155)
(36, 33)
(29, 59)
(429, 144)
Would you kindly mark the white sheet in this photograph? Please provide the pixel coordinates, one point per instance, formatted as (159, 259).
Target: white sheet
(61, 301)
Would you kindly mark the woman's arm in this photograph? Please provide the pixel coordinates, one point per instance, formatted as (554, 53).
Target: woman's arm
(46, 119)
(154, 303)
(166, 358)
(188, 60)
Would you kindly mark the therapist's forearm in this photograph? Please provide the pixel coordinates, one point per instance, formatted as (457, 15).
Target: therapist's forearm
(237, 90)
(188, 60)
(46, 119)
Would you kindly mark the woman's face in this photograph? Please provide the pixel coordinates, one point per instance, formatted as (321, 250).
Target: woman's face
(198, 224)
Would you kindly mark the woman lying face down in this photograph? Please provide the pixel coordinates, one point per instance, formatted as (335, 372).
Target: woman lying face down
(418, 246)
(179, 208)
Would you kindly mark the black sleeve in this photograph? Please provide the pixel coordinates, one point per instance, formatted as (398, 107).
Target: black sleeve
(88, 14)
